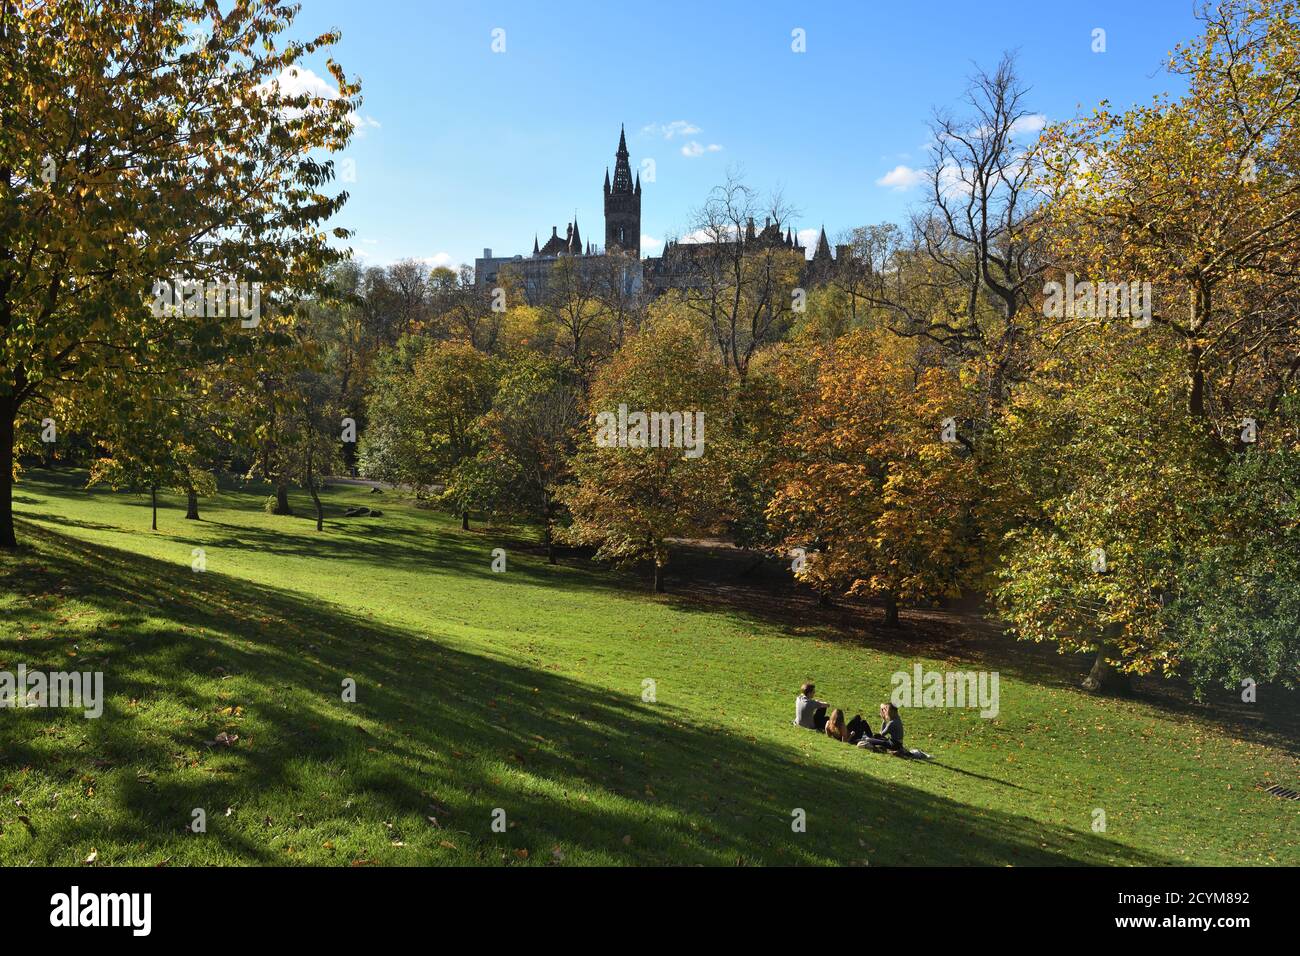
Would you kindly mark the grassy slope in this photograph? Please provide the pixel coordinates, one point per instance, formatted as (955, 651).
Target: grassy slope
(522, 691)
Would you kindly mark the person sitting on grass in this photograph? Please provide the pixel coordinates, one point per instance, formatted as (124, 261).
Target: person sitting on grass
(809, 712)
(891, 731)
(835, 726)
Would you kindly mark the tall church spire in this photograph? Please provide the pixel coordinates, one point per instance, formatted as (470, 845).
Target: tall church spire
(622, 168)
(623, 203)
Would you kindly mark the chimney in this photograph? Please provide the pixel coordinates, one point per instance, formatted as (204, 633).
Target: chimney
(487, 253)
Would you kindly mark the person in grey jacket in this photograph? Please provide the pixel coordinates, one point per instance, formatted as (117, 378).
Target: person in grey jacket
(891, 731)
(809, 712)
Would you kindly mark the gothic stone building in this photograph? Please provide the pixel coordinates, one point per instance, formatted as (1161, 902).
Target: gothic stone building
(674, 268)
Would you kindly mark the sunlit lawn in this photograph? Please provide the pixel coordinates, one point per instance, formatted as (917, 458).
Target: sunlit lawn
(523, 692)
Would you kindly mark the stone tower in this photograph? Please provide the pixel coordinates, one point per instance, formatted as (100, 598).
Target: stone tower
(623, 204)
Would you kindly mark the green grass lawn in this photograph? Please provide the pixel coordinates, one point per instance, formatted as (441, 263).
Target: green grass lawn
(523, 691)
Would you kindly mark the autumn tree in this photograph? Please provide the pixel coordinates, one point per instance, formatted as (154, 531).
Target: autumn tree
(872, 501)
(141, 141)
(575, 305)
(740, 283)
(1198, 198)
(464, 310)
(424, 410)
(526, 441)
(1109, 486)
(163, 442)
(640, 482)
(1190, 207)
(972, 266)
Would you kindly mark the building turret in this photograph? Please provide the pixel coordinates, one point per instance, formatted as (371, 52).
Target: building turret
(823, 251)
(623, 204)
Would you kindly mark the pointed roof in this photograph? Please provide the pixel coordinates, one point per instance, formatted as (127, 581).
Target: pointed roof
(823, 247)
(577, 239)
(555, 245)
(622, 169)
(535, 246)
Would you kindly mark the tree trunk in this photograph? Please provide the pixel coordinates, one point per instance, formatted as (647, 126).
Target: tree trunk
(464, 521)
(315, 494)
(548, 539)
(1104, 678)
(891, 609)
(153, 499)
(191, 506)
(7, 414)
(659, 578)
(282, 500)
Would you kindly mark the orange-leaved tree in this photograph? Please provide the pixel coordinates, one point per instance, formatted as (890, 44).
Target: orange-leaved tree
(878, 483)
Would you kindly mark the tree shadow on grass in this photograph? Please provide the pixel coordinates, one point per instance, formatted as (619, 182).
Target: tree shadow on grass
(582, 774)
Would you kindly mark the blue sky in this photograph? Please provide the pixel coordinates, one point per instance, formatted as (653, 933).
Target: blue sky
(461, 148)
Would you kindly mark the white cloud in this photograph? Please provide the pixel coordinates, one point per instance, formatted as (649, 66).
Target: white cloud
(704, 235)
(1029, 123)
(650, 242)
(300, 81)
(693, 149)
(901, 178)
(954, 179)
(669, 130)
(808, 239)
(1032, 123)
(375, 258)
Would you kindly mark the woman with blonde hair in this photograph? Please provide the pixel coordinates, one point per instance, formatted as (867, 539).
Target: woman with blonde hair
(835, 726)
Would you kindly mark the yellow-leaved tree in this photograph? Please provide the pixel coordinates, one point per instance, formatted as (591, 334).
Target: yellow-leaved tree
(149, 148)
